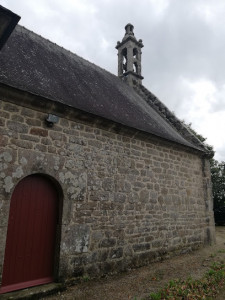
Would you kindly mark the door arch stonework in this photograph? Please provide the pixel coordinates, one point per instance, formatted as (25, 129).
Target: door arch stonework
(31, 235)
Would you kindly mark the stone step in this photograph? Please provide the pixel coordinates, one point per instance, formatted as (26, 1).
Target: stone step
(36, 292)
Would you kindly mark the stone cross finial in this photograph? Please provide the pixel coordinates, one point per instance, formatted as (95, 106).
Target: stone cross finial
(129, 29)
(129, 57)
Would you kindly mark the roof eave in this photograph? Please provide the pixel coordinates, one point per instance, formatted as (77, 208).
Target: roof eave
(8, 21)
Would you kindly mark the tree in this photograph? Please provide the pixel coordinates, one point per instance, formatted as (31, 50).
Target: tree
(218, 182)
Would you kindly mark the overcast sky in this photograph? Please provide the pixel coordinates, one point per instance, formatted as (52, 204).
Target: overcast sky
(183, 60)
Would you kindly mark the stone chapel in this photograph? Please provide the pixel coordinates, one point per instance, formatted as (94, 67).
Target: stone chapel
(97, 175)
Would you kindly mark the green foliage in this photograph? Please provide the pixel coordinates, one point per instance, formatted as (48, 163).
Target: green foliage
(221, 251)
(85, 278)
(172, 283)
(206, 288)
(155, 296)
(218, 182)
(200, 137)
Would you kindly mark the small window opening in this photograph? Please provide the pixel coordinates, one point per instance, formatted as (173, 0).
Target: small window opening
(135, 67)
(124, 53)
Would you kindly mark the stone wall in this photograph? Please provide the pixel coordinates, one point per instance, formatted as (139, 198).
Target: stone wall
(127, 200)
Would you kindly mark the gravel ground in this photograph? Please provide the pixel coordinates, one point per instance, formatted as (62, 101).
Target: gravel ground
(138, 284)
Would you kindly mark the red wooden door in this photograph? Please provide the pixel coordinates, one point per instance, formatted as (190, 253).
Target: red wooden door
(31, 235)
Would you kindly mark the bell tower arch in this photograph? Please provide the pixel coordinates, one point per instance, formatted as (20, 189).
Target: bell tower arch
(129, 57)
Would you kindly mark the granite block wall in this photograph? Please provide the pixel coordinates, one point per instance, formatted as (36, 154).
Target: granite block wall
(127, 200)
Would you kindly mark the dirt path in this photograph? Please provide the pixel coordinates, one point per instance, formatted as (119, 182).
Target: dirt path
(141, 282)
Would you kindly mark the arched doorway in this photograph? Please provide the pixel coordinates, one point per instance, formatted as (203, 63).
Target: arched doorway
(31, 235)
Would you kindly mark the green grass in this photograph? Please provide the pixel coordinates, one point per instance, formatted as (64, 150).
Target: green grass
(221, 251)
(86, 278)
(190, 289)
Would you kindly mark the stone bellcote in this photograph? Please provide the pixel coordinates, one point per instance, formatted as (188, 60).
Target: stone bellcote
(129, 57)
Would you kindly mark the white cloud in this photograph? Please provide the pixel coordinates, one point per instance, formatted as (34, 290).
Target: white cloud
(198, 109)
(159, 6)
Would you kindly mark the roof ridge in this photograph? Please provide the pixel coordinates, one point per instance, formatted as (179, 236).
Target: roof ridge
(169, 116)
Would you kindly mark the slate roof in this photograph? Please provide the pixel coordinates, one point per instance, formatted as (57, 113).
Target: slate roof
(33, 64)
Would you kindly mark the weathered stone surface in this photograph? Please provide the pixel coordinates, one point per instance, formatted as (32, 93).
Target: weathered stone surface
(125, 201)
(76, 239)
(116, 253)
(33, 122)
(17, 127)
(39, 131)
(108, 242)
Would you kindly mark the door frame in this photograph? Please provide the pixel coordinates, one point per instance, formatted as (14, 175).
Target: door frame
(56, 254)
